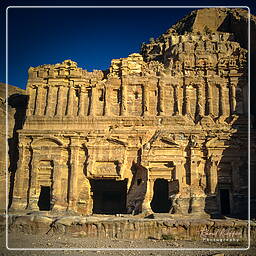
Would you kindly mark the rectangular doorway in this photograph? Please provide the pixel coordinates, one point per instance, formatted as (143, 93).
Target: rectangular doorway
(109, 196)
(224, 201)
(161, 202)
(44, 202)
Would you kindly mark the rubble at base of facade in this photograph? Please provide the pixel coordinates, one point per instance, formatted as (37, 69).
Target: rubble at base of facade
(164, 131)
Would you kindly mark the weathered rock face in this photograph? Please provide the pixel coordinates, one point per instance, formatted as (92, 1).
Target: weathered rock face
(133, 228)
(179, 111)
(211, 20)
(234, 21)
(12, 137)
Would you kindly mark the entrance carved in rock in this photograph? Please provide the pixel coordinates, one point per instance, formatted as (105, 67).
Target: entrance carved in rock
(44, 202)
(224, 201)
(160, 202)
(109, 196)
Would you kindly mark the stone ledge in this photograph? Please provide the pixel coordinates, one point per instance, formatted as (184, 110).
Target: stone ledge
(124, 227)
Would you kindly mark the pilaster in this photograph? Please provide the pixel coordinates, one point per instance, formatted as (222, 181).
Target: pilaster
(81, 107)
(107, 99)
(161, 96)
(188, 89)
(74, 158)
(70, 101)
(19, 200)
(232, 98)
(60, 101)
(38, 105)
(209, 99)
(124, 98)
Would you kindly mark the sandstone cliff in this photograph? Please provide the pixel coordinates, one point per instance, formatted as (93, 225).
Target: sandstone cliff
(12, 90)
(179, 108)
(211, 20)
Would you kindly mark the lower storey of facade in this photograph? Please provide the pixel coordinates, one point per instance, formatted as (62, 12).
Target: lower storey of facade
(131, 173)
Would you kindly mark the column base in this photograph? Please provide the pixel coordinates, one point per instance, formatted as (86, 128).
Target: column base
(33, 204)
(206, 120)
(72, 206)
(197, 206)
(232, 119)
(18, 204)
(59, 208)
(146, 208)
(222, 119)
(180, 205)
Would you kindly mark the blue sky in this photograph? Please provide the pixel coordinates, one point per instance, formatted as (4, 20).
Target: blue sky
(91, 37)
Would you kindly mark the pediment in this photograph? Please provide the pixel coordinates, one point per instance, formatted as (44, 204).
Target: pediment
(47, 141)
(164, 141)
(169, 141)
(116, 141)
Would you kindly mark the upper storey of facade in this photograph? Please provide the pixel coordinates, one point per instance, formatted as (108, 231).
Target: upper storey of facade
(197, 77)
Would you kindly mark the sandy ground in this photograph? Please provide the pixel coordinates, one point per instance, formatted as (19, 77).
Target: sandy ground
(21, 240)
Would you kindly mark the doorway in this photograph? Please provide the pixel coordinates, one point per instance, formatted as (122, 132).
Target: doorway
(44, 202)
(109, 196)
(160, 202)
(224, 201)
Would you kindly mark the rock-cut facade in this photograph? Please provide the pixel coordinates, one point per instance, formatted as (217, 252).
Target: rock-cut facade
(163, 131)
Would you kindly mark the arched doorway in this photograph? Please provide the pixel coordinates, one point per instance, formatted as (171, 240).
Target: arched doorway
(160, 202)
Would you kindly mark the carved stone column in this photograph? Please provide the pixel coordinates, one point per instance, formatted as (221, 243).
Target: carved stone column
(124, 98)
(146, 101)
(209, 99)
(224, 95)
(89, 201)
(232, 98)
(70, 101)
(29, 108)
(176, 94)
(181, 175)
(161, 103)
(221, 101)
(200, 101)
(107, 99)
(31, 102)
(60, 101)
(93, 101)
(33, 193)
(57, 200)
(74, 158)
(19, 200)
(49, 101)
(194, 177)
(81, 107)
(38, 105)
(198, 195)
(187, 100)
(148, 197)
(213, 175)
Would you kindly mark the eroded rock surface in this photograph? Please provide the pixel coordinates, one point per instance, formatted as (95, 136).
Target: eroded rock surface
(171, 123)
(11, 136)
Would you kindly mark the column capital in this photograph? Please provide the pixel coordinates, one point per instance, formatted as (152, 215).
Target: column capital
(83, 89)
(75, 142)
(178, 162)
(215, 159)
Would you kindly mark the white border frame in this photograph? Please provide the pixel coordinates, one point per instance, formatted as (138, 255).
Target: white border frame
(128, 249)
